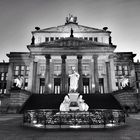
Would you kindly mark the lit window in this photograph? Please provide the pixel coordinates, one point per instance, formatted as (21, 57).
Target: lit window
(27, 70)
(119, 67)
(2, 76)
(22, 70)
(16, 67)
(16, 70)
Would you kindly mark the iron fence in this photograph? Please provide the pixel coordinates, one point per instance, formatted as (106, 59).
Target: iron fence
(47, 118)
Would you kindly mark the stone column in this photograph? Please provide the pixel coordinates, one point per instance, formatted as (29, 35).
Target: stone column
(96, 76)
(108, 76)
(32, 75)
(112, 73)
(47, 74)
(80, 83)
(10, 77)
(63, 75)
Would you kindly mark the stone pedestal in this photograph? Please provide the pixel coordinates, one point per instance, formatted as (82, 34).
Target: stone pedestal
(17, 99)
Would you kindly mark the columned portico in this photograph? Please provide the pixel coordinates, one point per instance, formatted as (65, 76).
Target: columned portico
(63, 74)
(96, 77)
(47, 74)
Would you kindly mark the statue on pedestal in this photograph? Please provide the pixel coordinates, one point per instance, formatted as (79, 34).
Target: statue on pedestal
(72, 101)
(19, 82)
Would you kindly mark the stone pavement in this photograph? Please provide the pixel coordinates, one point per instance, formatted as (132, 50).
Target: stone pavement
(11, 129)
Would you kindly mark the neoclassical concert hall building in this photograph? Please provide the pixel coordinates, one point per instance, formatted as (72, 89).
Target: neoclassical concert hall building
(55, 51)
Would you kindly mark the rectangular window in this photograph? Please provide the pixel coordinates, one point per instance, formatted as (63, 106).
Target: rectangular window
(91, 39)
(2, 76)
(47, 39)
(42, 69)
(125, 70)
(85, 68)
(26, 83)
(57, 82)
(56, 38)
(22, 70)
(27, 70)
(119, 72)
(119, 67)
(16, 70)
(85, 38)
(52, 38)
(57, 67)
(95, 39)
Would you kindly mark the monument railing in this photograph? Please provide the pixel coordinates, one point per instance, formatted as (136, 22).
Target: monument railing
(51, 118)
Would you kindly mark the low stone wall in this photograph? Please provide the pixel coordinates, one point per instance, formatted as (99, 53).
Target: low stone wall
(128, 99)
(17, 99)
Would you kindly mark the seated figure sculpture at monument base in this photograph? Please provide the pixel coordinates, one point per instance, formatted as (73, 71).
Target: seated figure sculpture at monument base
(73, 102)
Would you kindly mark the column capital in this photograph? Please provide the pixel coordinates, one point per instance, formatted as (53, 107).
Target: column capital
(63, 56)
(111, 56)
(48, 56)
(95, 56)
(79, 56)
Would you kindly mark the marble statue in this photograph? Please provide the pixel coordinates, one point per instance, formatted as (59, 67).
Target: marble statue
(19, 82)
(74, 77)
(65, 104)
(82, 105)
(124, 82)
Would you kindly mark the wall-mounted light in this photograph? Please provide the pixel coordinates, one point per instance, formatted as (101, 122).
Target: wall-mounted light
(93, 85)
(50, 85)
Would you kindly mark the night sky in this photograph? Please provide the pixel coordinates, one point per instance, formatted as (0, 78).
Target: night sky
(19, 17)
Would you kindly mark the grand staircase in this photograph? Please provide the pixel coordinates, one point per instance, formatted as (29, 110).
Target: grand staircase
(53, 101)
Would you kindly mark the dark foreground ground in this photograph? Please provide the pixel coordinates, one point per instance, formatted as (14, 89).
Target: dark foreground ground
(11, 129)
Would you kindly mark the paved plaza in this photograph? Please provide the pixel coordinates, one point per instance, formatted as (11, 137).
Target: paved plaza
(11, 129)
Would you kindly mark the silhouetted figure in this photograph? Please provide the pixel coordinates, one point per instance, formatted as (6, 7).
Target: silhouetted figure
(33, 40)
(110, 40)
(71, 35)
